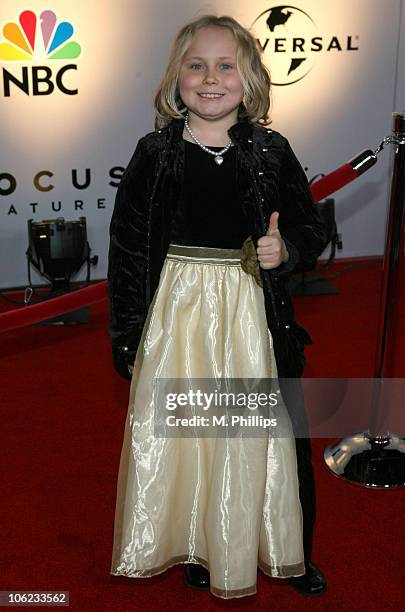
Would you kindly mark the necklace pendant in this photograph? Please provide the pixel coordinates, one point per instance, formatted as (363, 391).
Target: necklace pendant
(219, 159)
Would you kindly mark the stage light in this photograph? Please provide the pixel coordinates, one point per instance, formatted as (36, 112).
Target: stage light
(58, 249)
(305, 283)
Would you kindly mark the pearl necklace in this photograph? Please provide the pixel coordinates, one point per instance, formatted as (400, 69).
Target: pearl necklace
(218, 154)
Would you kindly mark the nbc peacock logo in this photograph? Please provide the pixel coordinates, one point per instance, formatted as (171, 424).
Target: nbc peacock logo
(38, 39)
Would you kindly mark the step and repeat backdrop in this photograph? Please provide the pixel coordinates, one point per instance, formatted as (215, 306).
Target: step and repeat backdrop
(77, 80)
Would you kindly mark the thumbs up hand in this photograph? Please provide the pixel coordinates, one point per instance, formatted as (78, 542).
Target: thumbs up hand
(271, 249)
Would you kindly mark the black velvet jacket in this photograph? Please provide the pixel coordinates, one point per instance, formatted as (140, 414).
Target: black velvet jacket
(270, 178)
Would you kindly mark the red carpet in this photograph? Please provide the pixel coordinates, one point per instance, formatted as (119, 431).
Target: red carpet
(62, 418)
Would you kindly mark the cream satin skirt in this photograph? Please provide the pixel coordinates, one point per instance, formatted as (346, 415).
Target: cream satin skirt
(229, 504)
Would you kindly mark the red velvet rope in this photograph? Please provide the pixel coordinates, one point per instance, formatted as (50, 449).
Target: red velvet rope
(55, 306)
(94, 294)
(333, 181)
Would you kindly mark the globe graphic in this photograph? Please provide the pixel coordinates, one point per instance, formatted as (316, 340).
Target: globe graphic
(284, 33)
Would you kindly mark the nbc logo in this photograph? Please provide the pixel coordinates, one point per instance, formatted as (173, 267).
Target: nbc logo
(34, 38)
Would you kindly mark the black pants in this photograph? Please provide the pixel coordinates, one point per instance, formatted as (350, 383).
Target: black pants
(306, 492)
(292, 393)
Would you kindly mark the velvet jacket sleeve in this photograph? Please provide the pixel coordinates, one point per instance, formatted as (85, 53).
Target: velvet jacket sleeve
(127, 259)
(300, 224)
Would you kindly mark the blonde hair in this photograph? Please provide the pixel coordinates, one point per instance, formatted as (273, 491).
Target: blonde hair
(254, 75)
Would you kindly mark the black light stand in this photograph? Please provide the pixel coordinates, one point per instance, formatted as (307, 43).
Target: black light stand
(303, 284)
(57, 250)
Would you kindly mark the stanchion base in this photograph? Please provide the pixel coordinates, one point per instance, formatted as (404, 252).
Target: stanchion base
(371, 462)
(68, 318)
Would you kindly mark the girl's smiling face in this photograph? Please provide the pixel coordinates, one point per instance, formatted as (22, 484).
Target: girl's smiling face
(209, 81)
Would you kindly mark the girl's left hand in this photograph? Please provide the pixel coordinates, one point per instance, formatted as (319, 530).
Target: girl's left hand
(271, 249)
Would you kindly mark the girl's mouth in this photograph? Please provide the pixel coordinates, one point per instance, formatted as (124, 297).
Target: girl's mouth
(211, 96)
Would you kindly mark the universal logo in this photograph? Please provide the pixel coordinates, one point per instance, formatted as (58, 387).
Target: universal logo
(33, 39)
(291, 42)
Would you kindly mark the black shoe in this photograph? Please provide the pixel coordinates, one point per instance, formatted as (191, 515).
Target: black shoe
(313, 582)
(197, 576)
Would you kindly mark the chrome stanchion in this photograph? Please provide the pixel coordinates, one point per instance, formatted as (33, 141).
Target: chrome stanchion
(376, 457)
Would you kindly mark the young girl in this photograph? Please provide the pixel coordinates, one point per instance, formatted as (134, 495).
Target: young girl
(212, 214)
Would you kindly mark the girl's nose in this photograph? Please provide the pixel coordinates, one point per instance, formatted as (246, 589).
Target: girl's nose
(210, 76)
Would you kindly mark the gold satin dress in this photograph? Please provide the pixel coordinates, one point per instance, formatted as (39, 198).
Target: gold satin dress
(229, 504)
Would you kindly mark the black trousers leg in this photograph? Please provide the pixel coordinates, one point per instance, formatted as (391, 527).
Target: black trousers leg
(293, 397)
(306, 492)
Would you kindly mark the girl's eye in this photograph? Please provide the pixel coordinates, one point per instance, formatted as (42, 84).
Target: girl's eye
(226, 66)
(196, 66)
